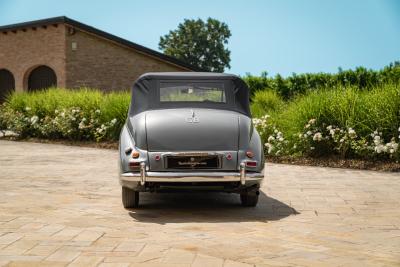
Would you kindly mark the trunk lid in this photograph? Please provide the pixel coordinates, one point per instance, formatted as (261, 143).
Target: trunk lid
(194, 129)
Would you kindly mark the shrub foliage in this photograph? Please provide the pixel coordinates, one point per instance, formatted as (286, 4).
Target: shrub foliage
(83, 114)
(346, 121)
(298, 84)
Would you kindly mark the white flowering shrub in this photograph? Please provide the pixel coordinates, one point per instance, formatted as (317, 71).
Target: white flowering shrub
(72, 123)
(325, 140)
(274, 141)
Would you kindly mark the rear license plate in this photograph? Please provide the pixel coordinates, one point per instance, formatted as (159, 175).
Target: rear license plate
(193, 162)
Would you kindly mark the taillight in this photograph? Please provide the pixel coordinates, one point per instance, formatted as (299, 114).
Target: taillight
(249, 154)
(251, 164)
(134, 165)
(229, 156)
(157, 157)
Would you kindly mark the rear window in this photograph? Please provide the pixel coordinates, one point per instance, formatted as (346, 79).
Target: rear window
(192, 92)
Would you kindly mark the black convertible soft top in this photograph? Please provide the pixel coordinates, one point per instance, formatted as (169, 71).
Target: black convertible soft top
(145, 91)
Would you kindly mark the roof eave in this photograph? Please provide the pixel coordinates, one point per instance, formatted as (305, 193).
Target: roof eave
(90, 29)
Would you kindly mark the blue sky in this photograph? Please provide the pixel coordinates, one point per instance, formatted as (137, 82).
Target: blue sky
(280, 36)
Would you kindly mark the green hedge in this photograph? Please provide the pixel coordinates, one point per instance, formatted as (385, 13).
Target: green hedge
(297, 84)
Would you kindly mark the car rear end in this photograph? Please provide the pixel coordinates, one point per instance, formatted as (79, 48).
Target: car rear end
(190, 133)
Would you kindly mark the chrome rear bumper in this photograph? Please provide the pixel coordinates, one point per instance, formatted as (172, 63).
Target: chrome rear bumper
(148, 176)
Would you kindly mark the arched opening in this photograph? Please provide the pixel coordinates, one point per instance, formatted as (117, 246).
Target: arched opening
(41, 77)
(7, 84)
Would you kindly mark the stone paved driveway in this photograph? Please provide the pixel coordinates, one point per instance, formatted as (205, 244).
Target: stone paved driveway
(61, 205)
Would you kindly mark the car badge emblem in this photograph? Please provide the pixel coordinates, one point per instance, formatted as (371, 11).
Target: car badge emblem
(193, 118)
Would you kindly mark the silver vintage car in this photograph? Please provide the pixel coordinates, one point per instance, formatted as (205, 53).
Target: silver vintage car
(190, 131)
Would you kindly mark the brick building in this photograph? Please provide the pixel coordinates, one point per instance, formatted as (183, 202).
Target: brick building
(66, 53)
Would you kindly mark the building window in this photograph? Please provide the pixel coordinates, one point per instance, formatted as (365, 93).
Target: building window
(41, 77)
(7, 84)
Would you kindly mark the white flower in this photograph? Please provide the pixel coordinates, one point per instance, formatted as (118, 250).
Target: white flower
(113, 121)
(270, 147)
(317, 137)
(329, 128)
(377, 140)
(97, 111)
(379, 149)
(309, 133)
(28, 109)
(385, 148)
(312, 148)
(312, 121)
(399, 129)
(332, 132)
(271, 138)
(280, 139)
(34, 119)
(307, 126)
(341, 140)
(352, 133)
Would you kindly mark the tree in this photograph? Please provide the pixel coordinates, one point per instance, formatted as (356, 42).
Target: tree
(199, 43)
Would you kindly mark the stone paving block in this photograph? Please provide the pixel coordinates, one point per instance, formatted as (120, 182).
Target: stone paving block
(88, 236)
(66, 234)
(24, 258)
(9, 238)
(131, 246)
(18, 247)
(50, 229)
(42, 250)
(230, 263)
(86, 261)
(63, 255)
(114, 264)
(35, 264)
(176, 256)
(204, 260)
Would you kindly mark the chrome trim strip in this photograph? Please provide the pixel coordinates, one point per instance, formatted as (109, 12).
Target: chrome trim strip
(192, 177)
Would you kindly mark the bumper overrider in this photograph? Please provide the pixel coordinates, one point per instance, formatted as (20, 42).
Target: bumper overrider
(135, 179)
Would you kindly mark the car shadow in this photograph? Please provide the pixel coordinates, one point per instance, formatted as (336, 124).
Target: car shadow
(165, 208)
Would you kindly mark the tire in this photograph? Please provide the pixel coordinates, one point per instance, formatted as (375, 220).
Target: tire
(130, 198)
(249, 199)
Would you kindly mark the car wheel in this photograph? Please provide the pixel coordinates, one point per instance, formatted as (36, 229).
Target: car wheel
(130, 198)
(249, 199)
